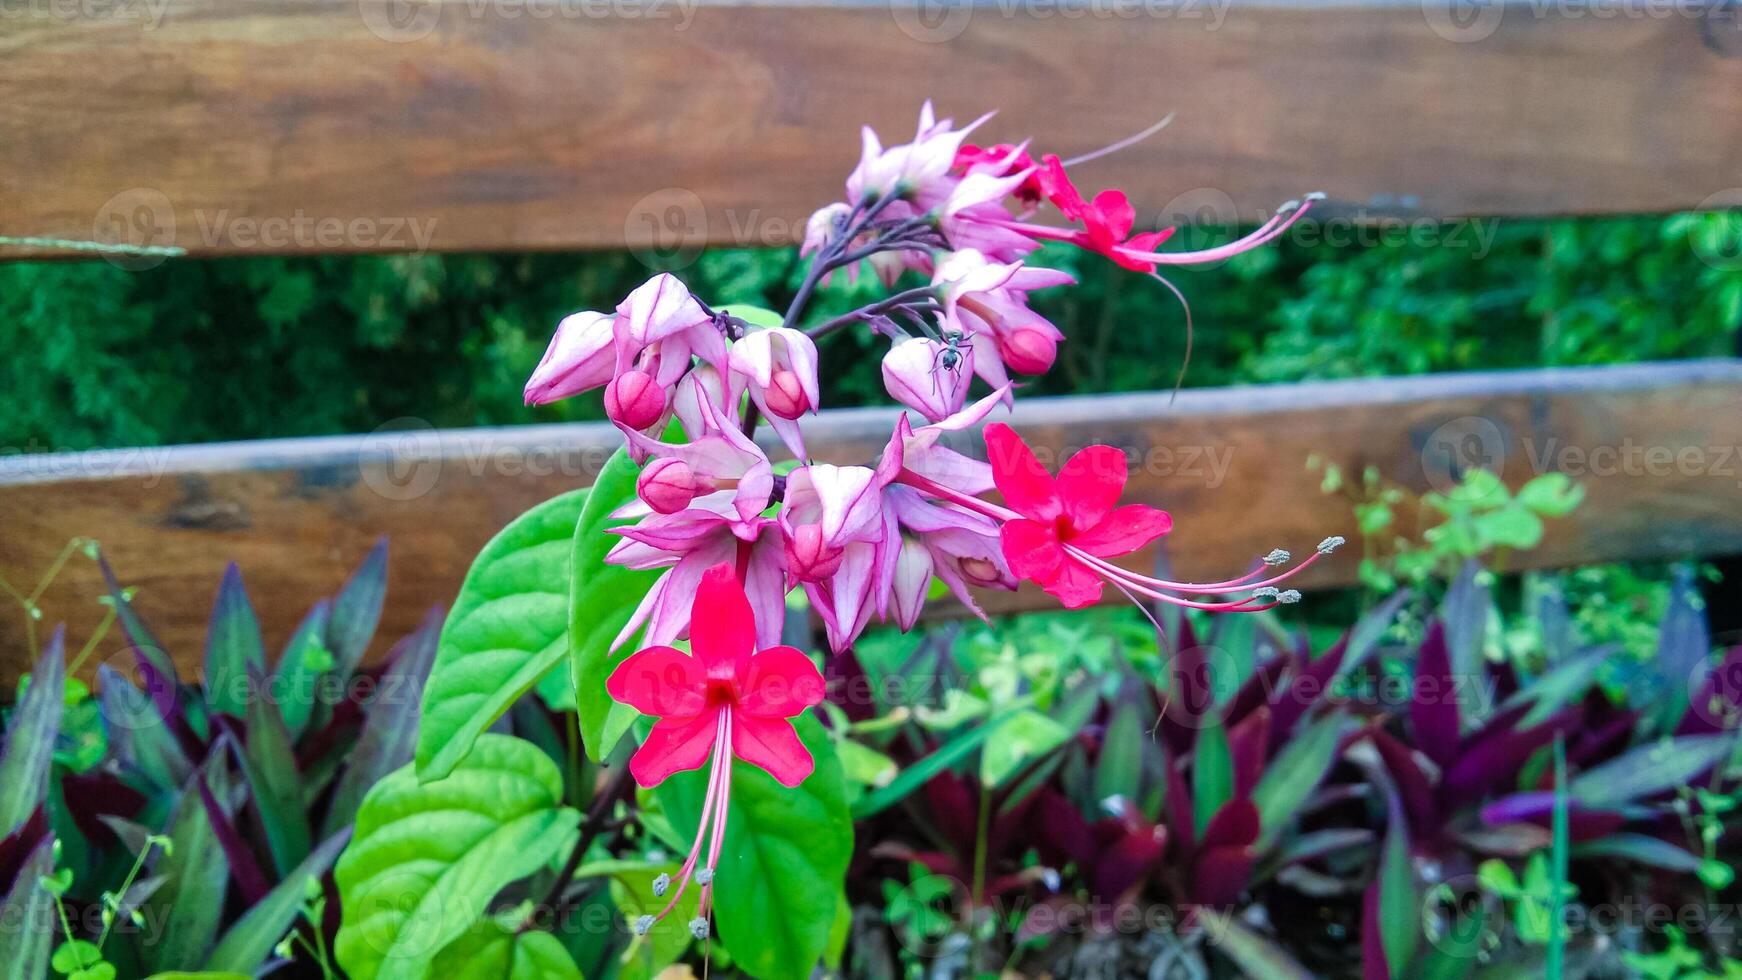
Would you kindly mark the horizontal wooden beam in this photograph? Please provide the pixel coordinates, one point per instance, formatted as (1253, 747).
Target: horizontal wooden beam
(1656, 446)
(230, 127)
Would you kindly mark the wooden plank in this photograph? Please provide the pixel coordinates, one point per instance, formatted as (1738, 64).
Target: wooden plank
(1655, 445)
(255, 126)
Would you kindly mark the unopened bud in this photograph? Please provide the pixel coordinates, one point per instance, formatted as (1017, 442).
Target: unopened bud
(1028, 350)
(979, 571)
(1277, 557)
(699, 927)
(1330, 544)
(660, 885)
(785, 395)
(643, 924)
(667, 485)
(808, 556)
(634, 399)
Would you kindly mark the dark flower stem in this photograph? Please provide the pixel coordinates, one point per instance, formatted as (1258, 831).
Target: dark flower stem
(592, 825)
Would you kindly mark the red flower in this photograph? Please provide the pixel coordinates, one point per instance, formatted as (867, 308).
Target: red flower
(727, 699)
(1106, 220)
(1063, 519)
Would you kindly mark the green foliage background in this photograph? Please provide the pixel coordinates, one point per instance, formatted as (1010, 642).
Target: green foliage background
(191, 351)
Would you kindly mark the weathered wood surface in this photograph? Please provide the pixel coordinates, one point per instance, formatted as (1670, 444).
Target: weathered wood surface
(1655, 446)
(250, 126)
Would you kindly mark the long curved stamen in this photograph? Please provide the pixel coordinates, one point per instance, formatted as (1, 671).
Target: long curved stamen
(1223, 588)
(975, 504)
(1131, 140)
(719, 773)
(1277, 225)
(719, 830)
(1128, 580)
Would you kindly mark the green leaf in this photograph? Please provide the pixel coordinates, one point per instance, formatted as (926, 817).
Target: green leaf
(269, 765)
(1649, 770)
(1119, 770)
(1295, 772)
(1551, 495)
(1255, 954)
(1510, 527)
(494, 951)
(1399, 907)
(1022, 737)
(234, 650)
(296, 679)
(1212, 774)
(248, 943)
(1652, 852)
(426, 858)
(507, 629)
(785, 858)
(357, 611)
(601, 600)
(29, 908)
(921, 772)
(196, 875)
(28, 755)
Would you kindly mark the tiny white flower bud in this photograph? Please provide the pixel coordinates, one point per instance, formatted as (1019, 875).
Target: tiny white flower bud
(643, 924)
(699, 927)
(660, 884)
(704, 875)
(1277, 557)
(1330, 544)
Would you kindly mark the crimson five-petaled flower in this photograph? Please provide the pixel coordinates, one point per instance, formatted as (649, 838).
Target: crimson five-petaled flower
(727, 699)
(1068, 521)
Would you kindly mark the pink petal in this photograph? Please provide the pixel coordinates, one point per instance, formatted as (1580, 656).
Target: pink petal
(674, 746)
(1031, 549)
(1125, 530)
(1027, 487)
(722, 627)
(782, 683)
(1090, 484)
(1074, 585)
(660, 681)
(771, 744)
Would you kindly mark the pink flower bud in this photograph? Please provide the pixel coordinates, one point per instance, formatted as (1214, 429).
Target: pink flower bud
(1028, 350)
(808, 556)
(785, 395)
(634, 399)
(667, 485)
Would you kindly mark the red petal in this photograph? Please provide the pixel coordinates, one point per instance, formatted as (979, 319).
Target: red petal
(1124, 531)
(1074, 585)
(772, 745)
(722, 627)
(1031, 549)
(1113, 209)
(674, 746)
(782, 683)
(1090, 483)
(660, 681)
(1025, 484)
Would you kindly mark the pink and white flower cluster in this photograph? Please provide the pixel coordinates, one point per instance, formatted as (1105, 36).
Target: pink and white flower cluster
(866, 541)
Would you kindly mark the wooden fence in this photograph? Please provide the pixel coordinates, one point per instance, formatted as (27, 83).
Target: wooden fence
(255, 126)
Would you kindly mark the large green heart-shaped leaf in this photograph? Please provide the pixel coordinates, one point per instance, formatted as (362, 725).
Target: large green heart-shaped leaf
(426, 858)
(601, 599)
(508, 628)
(784, 862)
(493, 951)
